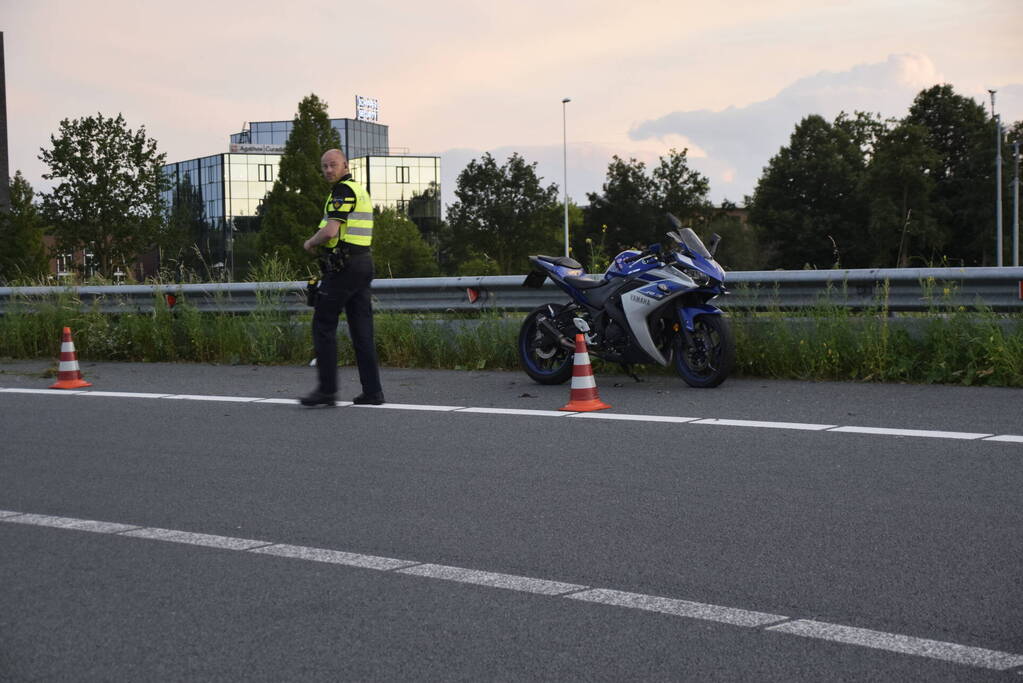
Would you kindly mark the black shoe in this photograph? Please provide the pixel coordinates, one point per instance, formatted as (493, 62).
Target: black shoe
(317, 398)
(369, 399)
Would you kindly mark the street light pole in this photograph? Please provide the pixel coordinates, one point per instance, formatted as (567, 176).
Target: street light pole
(1015, 205)
(998, 181)
(564, 133)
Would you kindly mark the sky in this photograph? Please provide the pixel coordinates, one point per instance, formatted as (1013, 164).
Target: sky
(727, 81)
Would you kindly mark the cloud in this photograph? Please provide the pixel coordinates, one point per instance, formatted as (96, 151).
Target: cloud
(739, 141)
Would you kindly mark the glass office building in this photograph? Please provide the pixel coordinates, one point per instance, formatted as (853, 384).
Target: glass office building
(358, 138)
(233, 184)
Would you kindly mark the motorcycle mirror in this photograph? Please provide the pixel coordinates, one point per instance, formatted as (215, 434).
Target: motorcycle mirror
(713, 245)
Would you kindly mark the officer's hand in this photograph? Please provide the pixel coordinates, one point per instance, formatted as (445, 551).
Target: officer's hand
(310, 248)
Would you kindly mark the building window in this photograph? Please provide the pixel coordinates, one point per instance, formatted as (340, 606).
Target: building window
(266, 172)
(401, 174)
(401, 205)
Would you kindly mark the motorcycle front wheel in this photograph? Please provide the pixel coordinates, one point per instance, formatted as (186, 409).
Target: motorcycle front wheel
(709, 359)
(543, 358)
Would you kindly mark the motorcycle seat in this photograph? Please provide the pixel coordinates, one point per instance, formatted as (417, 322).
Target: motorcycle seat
(584, 282)
(563, 261)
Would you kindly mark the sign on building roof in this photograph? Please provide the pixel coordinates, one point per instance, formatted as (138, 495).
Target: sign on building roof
(366, 108)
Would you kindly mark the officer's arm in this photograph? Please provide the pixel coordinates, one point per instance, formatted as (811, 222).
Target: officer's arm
(323, 235)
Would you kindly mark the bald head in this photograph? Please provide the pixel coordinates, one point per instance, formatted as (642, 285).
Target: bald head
(333, 165)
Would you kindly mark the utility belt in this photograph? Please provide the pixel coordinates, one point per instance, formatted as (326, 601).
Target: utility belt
(337, 258)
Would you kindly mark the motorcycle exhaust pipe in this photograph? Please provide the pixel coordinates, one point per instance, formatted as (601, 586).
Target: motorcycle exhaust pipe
(556, 334)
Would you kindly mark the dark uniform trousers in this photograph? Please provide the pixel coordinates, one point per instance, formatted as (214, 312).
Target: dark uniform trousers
(347, 290)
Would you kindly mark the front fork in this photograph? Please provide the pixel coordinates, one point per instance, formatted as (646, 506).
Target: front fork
(687, 319)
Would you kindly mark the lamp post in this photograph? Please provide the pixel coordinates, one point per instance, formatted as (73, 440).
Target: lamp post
(564, 133)
(998, 180)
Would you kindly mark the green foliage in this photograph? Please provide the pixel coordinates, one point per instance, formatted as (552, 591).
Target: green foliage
(424, 211)
(22, 252)
(294, 207)
(106, 196)
(899, 190)
(810, 197)
(828, 342)
(962, 135)
(186, 239)
(503, 211)
(478, 264)
(633, 204)
(399, 249)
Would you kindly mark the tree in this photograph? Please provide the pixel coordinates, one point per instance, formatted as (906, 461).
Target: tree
(634, 205)
(809, 200)
(186, 237)
(399, 249)
(679, 189)
(963, 136)
(899, 189)
(294, 207)
(624, 214)
(424, 210)
(107, 193)
(502, 211)
(22, 252)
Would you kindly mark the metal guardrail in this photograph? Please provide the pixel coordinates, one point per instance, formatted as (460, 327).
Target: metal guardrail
(907, 289)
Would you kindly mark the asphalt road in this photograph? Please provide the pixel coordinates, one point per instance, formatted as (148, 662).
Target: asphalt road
(781, 531)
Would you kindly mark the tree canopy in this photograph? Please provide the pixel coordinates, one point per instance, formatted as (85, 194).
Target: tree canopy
(106, 197)
(502, 211)
(294, 207)
(631, 210)
(22, 252)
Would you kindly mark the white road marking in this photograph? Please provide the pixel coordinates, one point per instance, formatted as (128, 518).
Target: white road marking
(678, 608)
(602, 415)
(199, 397)
(524, 584)
(71, 523)
(56, 392)
(910, 432)
(174, 536)
(757, 423)
(420, 406)
(1010, 438)
(724, 422)
(893, 642)
(849, 635)
(122, 394)
(514, 411)
(333, 557)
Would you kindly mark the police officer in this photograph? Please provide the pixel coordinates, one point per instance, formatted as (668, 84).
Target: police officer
(342, 244)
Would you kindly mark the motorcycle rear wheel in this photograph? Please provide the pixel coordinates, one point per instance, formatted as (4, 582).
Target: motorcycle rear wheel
(709, 361)
(543, 358)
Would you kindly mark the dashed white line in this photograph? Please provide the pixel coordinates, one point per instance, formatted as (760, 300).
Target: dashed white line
(893, 642)
(764, 425)
(190, 538)
(333, 557)
(601, 415)
(515, 411)
(678, 608)
(524, 584)
(910, 432)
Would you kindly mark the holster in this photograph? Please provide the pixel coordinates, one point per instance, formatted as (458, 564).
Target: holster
(311, 289)
(333, 261)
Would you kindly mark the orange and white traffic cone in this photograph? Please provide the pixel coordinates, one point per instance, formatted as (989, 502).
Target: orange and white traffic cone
(68, 374)
(584, 396)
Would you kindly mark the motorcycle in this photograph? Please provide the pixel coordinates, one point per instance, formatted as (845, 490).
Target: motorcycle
(650, 306)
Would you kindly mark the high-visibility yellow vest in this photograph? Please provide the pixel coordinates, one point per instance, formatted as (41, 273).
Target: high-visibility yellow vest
(357, 227)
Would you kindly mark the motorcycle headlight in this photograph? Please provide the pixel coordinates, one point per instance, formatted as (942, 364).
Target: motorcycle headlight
(698, 276)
